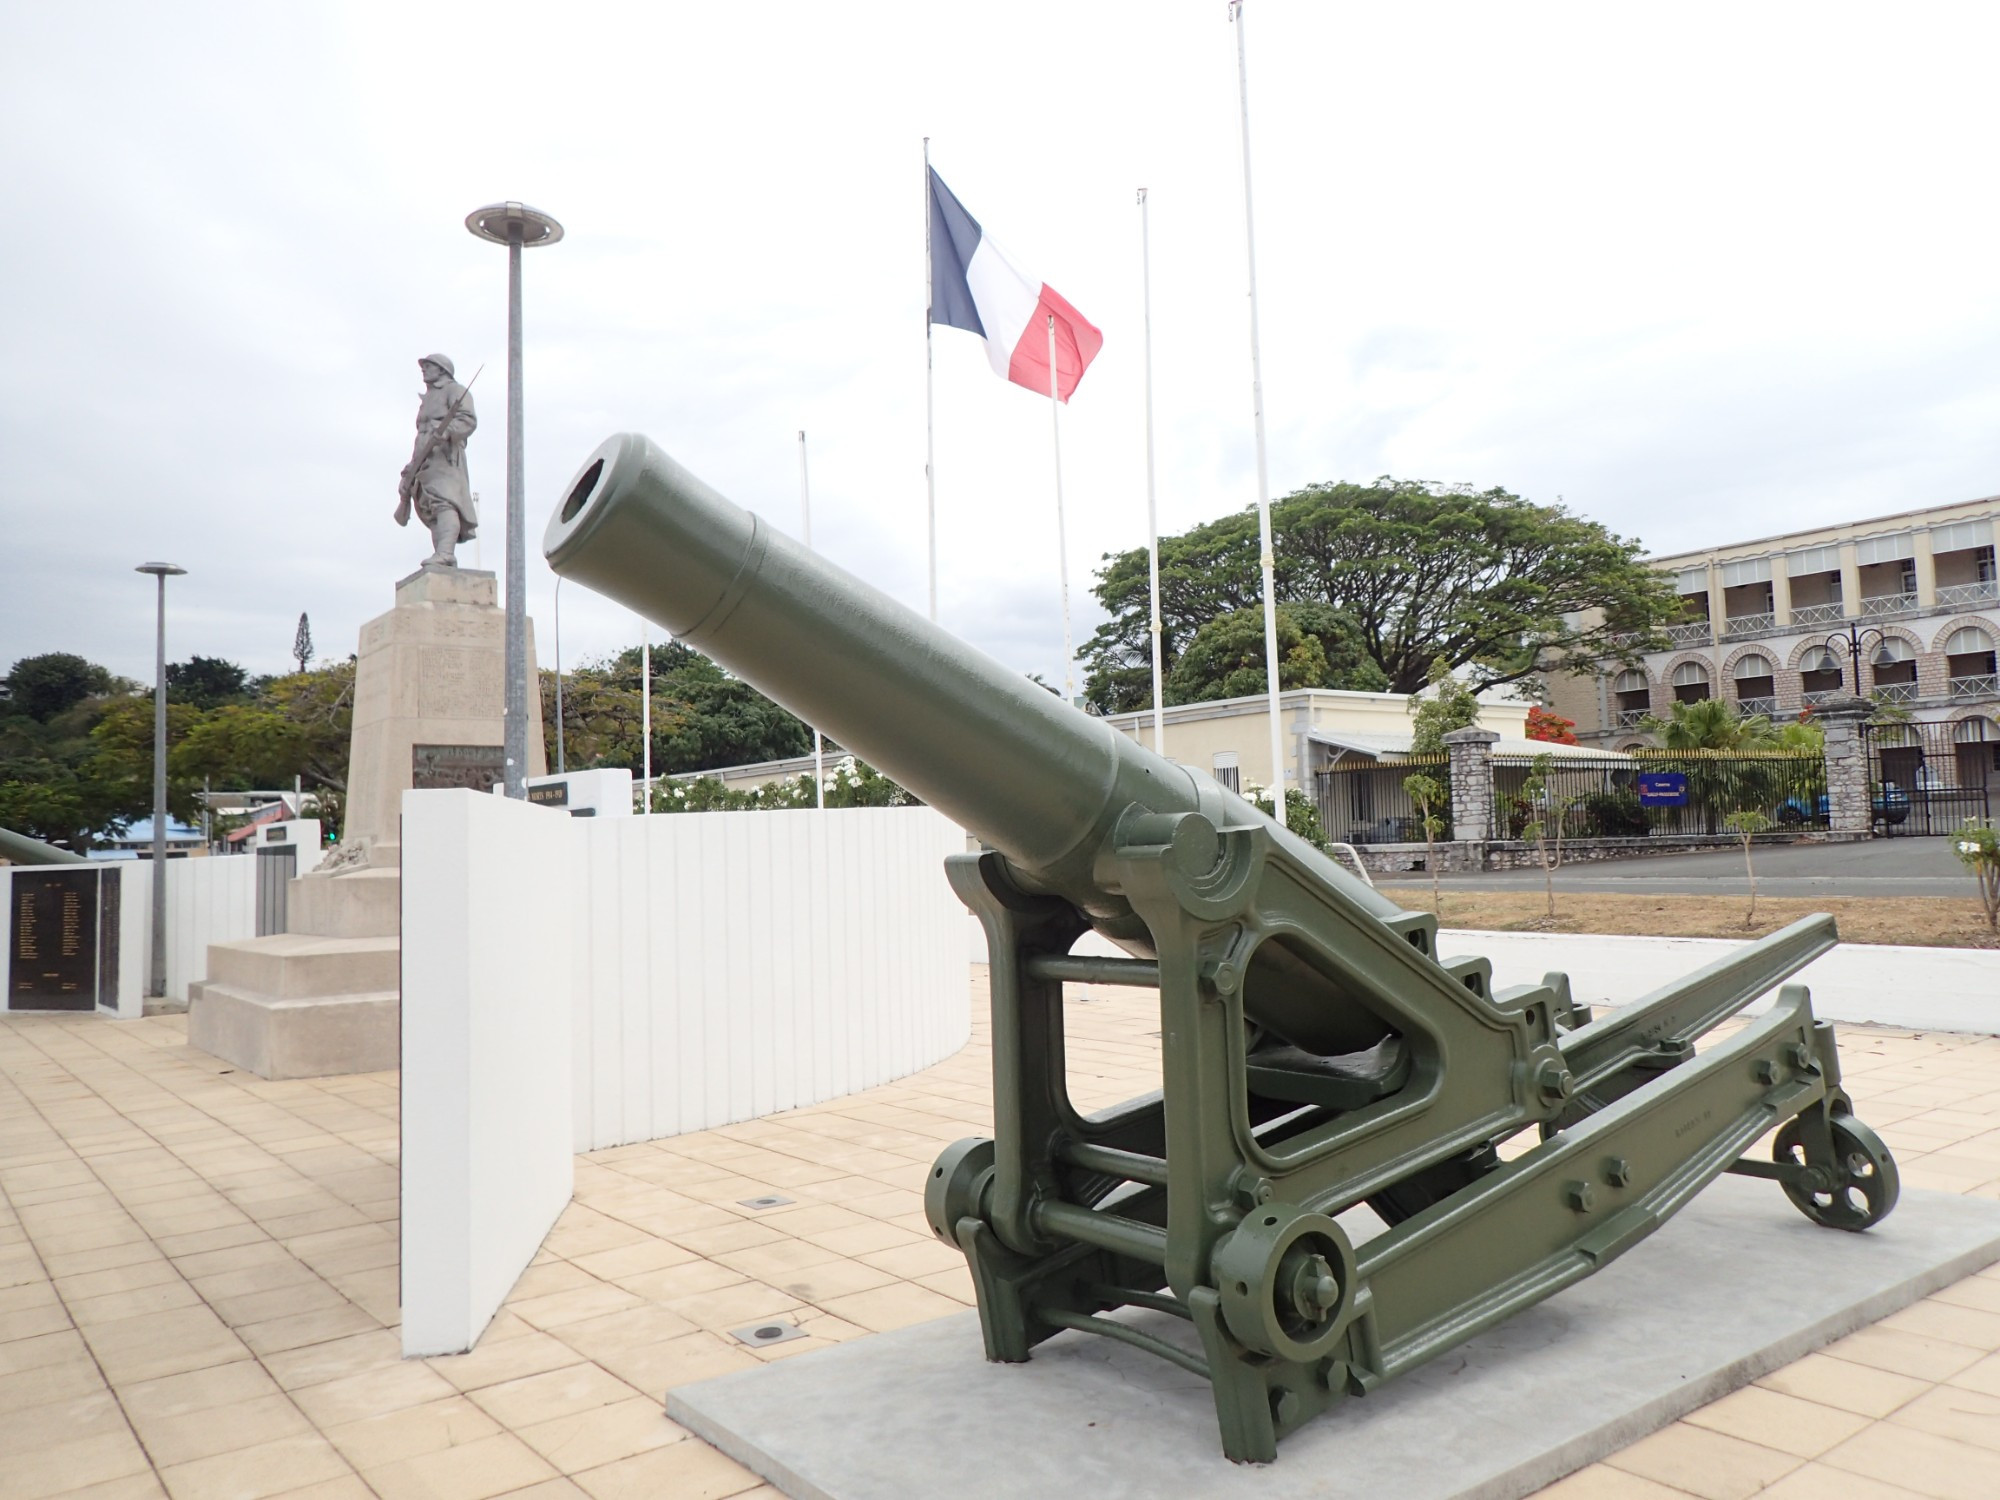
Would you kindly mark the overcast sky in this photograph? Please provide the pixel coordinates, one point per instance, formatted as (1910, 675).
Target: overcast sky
(1704, 272)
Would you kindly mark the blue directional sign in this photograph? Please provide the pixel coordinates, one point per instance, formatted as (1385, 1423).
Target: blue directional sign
(1663, 789)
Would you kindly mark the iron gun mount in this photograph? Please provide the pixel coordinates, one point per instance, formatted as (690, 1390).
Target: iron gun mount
(1318, 1053)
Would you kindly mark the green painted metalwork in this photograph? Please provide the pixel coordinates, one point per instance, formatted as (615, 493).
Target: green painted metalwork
(1318, 1054)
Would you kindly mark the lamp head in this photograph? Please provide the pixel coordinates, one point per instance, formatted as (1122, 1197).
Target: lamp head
(160, 569)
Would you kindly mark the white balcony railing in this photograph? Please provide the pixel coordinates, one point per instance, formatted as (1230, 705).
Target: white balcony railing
(1752, 707)
(1896, 692)
(1820, 697)
(1816, 614)
(1689, 633)
(1742, 625)
(1958, 595)
(1874, 606)
(1985, 685)
(1628, 718)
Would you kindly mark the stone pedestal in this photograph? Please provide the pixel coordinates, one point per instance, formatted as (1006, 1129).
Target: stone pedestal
(325, 997)
(429, 694)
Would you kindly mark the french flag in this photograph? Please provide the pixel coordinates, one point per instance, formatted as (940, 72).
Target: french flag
(975, 286)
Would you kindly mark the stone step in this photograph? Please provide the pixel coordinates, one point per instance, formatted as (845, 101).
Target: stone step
(362, 903)
(306, 1037)
(294, 965)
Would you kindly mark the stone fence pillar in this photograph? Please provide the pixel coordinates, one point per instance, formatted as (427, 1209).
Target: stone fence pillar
(1850, 810)
(1471, 752)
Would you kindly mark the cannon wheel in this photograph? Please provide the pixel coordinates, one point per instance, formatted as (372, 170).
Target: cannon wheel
(1866, 1187)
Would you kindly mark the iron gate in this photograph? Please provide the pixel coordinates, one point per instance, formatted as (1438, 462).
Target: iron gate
(1927, 780)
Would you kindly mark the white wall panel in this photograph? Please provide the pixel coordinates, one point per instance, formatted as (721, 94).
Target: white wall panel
(732, 964)
(211, 900)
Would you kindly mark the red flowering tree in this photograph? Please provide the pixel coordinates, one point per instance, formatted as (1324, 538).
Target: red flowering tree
(1552, 727)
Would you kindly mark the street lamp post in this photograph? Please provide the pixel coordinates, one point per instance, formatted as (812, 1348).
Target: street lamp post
(156, 978)
(518, 227)
(1854, 639)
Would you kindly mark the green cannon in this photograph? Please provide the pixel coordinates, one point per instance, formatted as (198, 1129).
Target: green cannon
(1318, 1053)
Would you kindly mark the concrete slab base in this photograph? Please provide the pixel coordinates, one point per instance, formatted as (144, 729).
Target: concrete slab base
(1731, 1288)
(315, 1036)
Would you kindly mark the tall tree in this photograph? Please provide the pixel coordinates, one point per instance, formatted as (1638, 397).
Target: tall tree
(1482, 578)
(207, 682)
(302, 642)
(42, 687)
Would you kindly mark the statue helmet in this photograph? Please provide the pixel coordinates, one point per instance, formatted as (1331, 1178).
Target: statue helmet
(443, 362)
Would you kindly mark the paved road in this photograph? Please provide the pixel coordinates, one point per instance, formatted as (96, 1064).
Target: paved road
(1880, 867)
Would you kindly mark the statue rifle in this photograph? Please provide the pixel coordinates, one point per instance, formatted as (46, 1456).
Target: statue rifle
(407, 490)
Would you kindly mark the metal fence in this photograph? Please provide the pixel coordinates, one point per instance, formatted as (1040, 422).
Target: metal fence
(1601, 798)
(1929, 779)
(1369, 803)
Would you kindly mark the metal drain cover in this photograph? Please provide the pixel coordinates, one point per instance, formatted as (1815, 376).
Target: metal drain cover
(769, 1200)
(771, 1331)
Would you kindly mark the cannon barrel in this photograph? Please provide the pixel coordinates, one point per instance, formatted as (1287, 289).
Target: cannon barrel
(1024, 772)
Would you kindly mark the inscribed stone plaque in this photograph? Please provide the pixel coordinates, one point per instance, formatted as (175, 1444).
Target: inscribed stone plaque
(460, 684)
(54, 940)
(550, 794)
(479, 767)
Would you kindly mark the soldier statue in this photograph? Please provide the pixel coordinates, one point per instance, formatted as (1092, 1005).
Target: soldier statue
(434, 480)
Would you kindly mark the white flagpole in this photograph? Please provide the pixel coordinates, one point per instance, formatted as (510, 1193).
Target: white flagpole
(1062, 536)
(1152, 511)
(806, 512)
(930, 443)
(646, 713)
(1267, 558)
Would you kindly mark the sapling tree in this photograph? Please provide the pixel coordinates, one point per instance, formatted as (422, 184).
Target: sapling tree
(1545, 829)
(1746, 823)
(1430, 800)
(1978, 849)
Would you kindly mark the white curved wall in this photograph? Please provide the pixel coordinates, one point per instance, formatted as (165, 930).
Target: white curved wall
(570, 984)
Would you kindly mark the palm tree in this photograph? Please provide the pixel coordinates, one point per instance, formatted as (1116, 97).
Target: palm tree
(1711, 724)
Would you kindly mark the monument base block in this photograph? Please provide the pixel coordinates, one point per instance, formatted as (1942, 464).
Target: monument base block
(313, 1036)
(1734, 1286)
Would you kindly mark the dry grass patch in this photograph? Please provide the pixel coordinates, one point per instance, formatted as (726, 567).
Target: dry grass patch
(1928, 921)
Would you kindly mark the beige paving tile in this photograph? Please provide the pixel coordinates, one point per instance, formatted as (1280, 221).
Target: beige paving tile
(187, 1436)
(42, 1349)
(323, 1326)
(163, 1343)
(1931, 1318)
(160, 1296)
(555, 1393)
(602, 1434)
(478, 1470)
(411, 1432)
(1946, 1411)
(315, 1364)
(498, 1360)
(118, 1279)
(591, 1300)
(197, 1390)
(1845, 1385)
(731, 1306)
(258, 1472)
(1602, 1482)
(1816, 1481)
(896, 1306)
(371, 1393)
(659, 1367)
(687, 1471)
(681, 1280)
(631, 1260)
(1789, 1424)
(36, 1473)
(95, 1414)
(1931, 1465)
(1904, 1353)
(1708, 1464)
(44, 1385)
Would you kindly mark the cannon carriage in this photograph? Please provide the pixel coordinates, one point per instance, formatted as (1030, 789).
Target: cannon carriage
(1318, 1053)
